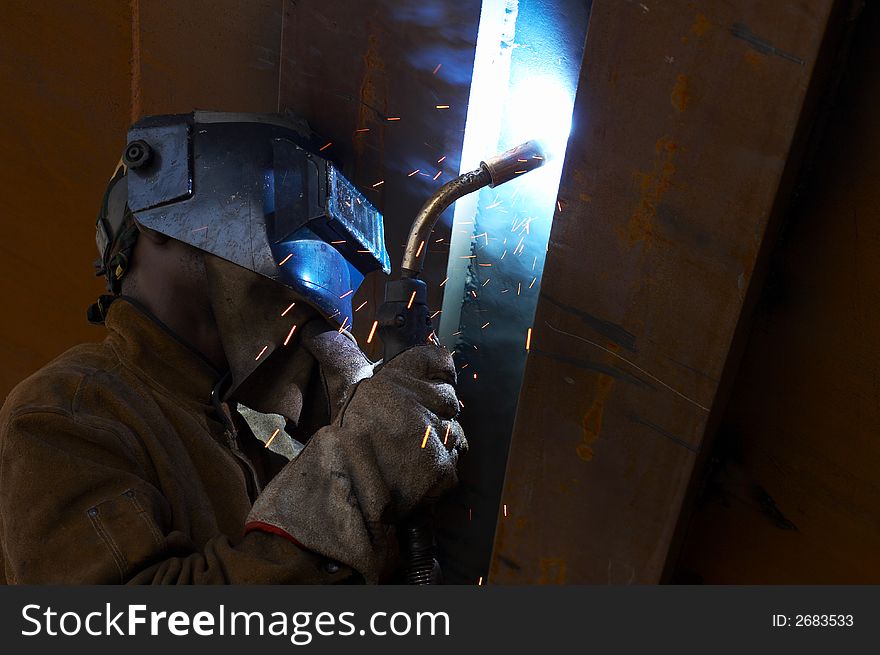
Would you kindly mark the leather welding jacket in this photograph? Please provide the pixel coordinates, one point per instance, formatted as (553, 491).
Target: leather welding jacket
(115, 467)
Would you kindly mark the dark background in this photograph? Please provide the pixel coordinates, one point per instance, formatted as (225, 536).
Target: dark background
(775, 178)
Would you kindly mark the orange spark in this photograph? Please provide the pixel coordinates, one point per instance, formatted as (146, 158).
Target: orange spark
(427, 434)
(325, 146)
(440, 161)
(342, 327)
(288, 309)
(528, 339)
(289, 335)
(361, 306)
(505, 509)
(444, 282)
(442, 106)
(414, 172)
(411, 299)
(372, 331)
(336, 243)
(480, 582)
(446, 438)
(363, 129)
(439, 311)
(265, 348)
(379, 183)
(284, 261)
(419, 251)
(533, 281)
(485, 325)
(393, 118)
(346, 294)
(439, 173)
(274, 434)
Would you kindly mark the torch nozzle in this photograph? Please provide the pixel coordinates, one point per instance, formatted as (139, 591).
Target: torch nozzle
(492, 172)
(519, 160)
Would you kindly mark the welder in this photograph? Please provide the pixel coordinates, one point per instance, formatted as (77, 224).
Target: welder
(172, 451)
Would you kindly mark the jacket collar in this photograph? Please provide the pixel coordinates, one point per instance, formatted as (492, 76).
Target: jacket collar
(146, 344)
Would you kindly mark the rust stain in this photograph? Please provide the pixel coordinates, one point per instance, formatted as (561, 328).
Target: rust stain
(372, 92)
(652, 187)
(498, 550)
(552, 570)
(753, 59)
(701, 25)
(592, 421)
(681, 95)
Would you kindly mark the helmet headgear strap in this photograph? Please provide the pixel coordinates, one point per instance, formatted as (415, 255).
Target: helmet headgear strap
(116, 235)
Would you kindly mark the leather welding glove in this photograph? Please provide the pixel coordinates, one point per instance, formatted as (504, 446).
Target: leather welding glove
(393, 445)
(341, 363)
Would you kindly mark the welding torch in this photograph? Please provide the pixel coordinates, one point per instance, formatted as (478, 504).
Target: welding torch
(404, 320)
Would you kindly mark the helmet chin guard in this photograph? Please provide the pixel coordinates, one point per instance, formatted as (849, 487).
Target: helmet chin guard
(252, 190)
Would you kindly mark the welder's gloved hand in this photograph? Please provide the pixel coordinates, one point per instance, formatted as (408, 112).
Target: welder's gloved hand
(340, 361)
(357, 478)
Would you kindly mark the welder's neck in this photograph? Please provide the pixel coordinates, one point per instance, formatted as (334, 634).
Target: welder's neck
(185, 314)
(198, 327)
(168, 277)
(200, 348)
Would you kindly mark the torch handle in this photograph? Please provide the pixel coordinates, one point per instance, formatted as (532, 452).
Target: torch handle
(403, 319)
(417, 550)
(403, 322)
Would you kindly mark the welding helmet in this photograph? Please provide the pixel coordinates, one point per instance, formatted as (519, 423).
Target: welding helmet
(251, 189)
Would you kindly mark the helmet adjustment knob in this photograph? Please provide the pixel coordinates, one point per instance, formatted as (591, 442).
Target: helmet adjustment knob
(137, 154)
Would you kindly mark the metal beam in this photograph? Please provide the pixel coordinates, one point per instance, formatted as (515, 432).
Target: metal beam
(683, 127)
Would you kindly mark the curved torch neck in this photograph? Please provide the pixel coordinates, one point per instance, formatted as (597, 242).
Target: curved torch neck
(492, 172)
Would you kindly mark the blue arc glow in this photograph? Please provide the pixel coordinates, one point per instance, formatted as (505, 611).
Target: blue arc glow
(526, 71)
(523, 87)
(540, 108)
